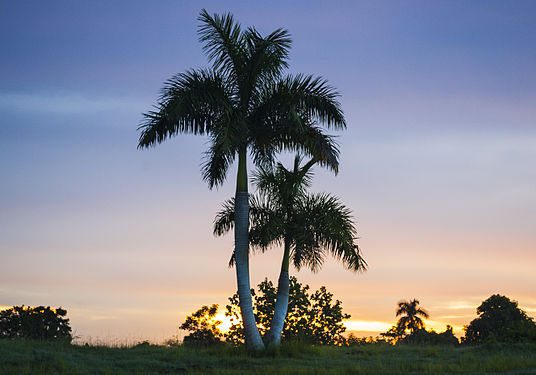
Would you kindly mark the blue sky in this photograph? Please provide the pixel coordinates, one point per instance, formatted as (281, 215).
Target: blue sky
(437, 162)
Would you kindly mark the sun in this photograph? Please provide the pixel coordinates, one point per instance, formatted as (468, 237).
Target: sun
(226, 322)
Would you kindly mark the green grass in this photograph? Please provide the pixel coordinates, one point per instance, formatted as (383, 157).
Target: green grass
(32, 357)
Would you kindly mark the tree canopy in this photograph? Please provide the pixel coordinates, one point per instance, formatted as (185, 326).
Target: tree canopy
(39, 322)
(203, 327)
(500, 319)
(314, 318)
(410, 315)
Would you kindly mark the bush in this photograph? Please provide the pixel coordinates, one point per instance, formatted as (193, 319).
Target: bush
(500, 319)
(39, 322)
(424, 337)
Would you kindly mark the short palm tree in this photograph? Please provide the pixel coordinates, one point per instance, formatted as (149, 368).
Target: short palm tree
(244, 104)
(307, 225)
(411, 313)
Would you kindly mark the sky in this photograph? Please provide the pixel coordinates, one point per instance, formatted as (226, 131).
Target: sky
(437, 162)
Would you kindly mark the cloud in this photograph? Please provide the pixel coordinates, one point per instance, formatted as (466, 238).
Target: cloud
(102, 317)
(69, 103)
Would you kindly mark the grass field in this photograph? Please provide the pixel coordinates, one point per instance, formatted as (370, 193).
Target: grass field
(32, 357)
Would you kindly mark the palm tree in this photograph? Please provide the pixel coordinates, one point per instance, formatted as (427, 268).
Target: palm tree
(307, 225)
(244, 103)
(410, 315)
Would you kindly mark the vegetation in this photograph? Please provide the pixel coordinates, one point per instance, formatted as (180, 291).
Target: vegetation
(410, 316)
(410, 320)
(35, 358)
(26, 322)
(203, 327)
(424, 337)
(308, 226)
(358, 356)
(243, 103)
(500, 319)
(313, 318)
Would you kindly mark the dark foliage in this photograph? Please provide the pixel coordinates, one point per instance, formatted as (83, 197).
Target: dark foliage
(410, 320)
(394, 334)
(409, 313)
(310, 226)
(42, 323)
(424, 337)
(203, 327)
(500, 319)
(312, 318)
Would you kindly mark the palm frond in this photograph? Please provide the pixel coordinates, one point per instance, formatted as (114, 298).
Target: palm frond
(190, 102)
(308, 96)
(219, 157)
(224, 220)
(266, 60)
(304, 174)
(266, 226)
(223, 42)
(322, 222)
(423, 313)
(295, 134)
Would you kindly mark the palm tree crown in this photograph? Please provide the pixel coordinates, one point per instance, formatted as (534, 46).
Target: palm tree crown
(410, 315)
(245, 102)
(283, 213)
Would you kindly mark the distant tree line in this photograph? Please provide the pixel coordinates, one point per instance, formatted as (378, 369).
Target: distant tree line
(314, 318)
(317, 319)
(499, 320)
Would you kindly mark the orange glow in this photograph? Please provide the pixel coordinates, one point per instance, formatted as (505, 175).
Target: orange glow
(225, 322)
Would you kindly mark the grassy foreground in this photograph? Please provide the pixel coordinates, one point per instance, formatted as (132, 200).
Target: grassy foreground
(31, 357)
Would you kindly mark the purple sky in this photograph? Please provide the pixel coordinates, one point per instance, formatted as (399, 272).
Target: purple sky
(437, 162)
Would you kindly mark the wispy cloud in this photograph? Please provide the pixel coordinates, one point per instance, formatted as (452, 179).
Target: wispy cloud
(68, 103)
(460, 305)
(103, 317)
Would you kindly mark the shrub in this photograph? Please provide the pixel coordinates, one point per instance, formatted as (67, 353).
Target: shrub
(424, 337)
(203, 327)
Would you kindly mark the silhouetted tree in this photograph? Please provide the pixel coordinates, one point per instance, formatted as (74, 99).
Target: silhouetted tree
(411, 314)
(309, 226)
(394, 334)
(203, 327)
(313, 318)
(245, 104)
(500, 319)
(39, 322)
(424, 337)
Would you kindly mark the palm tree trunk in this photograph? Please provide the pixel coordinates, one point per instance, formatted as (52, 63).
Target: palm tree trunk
(281, 304)
(252, 335)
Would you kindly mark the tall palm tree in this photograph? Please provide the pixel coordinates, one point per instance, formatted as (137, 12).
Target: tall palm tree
(411, 313)
(307, 225)
(245, 104)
